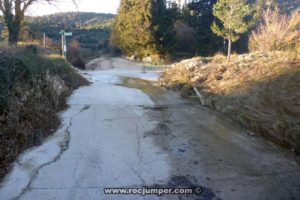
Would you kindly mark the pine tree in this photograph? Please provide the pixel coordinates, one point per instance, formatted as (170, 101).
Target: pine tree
(199, 16)
(132, 25)
(162, 22)
(232, 15)
(142, 27)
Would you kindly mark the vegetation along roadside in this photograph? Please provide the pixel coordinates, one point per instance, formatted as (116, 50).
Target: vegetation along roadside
(34, 84)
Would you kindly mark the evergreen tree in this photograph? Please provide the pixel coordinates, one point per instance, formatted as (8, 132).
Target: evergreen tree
(142, 27)
(198, 14)
(233, 16)
(132, 26)
(163, 21)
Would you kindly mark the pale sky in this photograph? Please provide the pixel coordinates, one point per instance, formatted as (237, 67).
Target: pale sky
(99, 6)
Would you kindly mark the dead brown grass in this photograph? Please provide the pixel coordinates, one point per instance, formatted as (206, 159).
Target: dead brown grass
(277, 32)
(259, 90)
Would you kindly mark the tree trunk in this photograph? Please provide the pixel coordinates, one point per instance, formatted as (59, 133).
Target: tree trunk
(229, 50)
(13, 35)
(13, 21)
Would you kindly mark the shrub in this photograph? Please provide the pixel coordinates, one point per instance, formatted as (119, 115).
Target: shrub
(186, 40)
(277, 32)
(74, 55)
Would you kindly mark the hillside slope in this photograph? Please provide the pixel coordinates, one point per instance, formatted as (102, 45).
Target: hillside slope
(34, 84)
(260, 91)
(74, 20)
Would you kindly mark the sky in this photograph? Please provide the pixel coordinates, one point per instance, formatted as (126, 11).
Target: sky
(99, 6)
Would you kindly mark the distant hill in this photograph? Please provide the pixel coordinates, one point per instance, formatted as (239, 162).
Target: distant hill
(91, 30)
(73, 20)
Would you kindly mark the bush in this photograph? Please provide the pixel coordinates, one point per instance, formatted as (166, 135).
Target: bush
(11, 68)
(186, 40)
(74, 55)
(277, 32)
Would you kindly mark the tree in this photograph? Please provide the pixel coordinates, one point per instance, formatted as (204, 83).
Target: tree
(142, 27)
(132, 27)
(14, 12)
(163, 26)
(198, 14)
(233, 16)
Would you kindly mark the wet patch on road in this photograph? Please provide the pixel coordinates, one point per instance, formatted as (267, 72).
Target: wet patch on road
(177, 182)
(161, 129)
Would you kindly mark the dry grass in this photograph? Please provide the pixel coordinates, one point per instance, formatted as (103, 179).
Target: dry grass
(277, 32)
(259, 90)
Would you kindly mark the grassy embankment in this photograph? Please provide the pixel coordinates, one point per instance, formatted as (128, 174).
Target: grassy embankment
(34, 84)
(259, 90)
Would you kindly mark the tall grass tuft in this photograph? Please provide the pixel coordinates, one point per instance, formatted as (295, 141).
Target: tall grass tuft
(278, 32)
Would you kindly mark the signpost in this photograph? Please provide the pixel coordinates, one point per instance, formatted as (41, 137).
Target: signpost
(64, 42)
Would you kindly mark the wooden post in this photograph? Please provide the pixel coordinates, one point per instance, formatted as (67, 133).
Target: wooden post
(63, 44)
(229, 50)
(44, 40)
(199, 95)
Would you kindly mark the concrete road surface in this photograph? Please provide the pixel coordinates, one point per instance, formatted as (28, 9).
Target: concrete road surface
(125, 132)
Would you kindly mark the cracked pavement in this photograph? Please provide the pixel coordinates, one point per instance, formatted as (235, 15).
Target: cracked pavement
(125, 132)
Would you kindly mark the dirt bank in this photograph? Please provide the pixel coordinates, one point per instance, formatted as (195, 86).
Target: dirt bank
(260, 91)
(34, 87)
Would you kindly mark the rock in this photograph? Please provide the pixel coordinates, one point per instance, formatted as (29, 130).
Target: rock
(250, 133)
(100, 64)
(190, 63)
(94, 63)
(57, 84)
(131, 58)
(147, 59)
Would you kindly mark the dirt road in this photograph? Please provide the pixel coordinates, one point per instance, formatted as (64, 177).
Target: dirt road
(122, 131)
